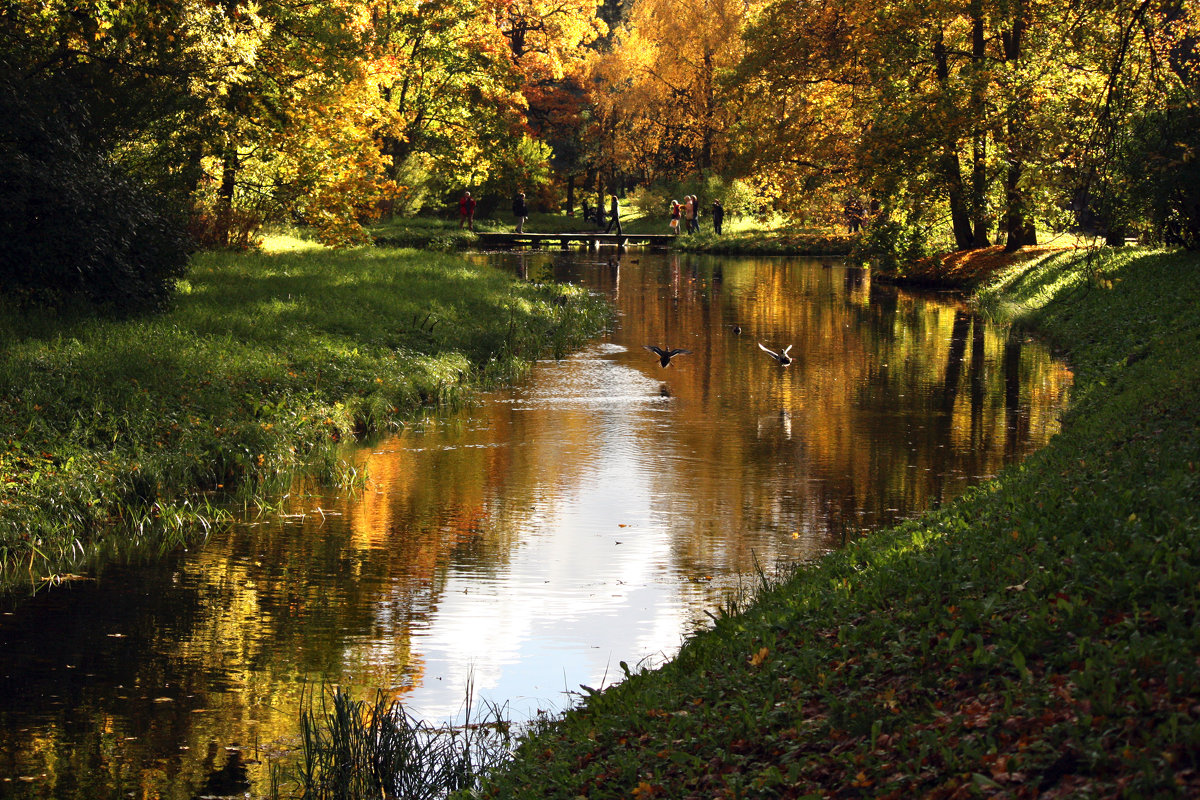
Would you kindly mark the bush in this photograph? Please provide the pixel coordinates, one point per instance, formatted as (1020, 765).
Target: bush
(73, 223)
(232, 229)
(1162, 166)
(892, 245)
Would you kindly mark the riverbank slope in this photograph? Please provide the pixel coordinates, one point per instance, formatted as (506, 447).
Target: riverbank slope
(120, 436)
(1036, 638)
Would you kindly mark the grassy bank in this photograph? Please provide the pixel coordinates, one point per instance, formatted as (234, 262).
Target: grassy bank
(125, 435)
(767, 242)
(1037, 638)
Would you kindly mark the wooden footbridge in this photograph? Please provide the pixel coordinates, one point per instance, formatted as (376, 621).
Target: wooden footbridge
(564, 241)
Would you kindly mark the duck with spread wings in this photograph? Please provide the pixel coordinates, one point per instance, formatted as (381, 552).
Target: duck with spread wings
(665, 354)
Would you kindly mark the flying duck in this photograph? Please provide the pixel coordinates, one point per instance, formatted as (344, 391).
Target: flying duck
(665, 356)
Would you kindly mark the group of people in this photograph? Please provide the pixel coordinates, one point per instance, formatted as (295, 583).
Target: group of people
(467, 204)
(689, 211)
(858, 214)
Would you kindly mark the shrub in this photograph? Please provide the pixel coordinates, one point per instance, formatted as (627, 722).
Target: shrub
(74, 224)
(233, 229)
(892, 244)
(1161, 165)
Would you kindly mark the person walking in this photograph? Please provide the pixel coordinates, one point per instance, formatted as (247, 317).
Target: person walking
(675, 214)
(718, 216)
(691, 211)
(520, 211)
(614, 214)
(466, 211)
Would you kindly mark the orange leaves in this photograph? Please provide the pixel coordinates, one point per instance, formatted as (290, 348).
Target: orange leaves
(861, 781)
(759, 658)
(644, 790)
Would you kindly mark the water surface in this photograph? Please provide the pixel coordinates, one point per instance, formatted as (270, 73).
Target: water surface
(591, 515)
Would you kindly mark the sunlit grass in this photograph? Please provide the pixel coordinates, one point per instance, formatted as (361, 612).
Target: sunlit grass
(125, 431)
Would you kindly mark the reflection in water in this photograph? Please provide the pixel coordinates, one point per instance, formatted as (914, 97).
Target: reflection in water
(591, 515)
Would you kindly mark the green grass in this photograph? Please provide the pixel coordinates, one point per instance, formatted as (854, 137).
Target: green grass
(130, 435)
(1038, 637)
(748, 240)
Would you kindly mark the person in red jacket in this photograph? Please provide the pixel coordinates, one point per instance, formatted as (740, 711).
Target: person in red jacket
(466, 211)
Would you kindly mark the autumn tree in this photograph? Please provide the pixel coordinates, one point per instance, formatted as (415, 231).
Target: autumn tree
(445, 74)
(662, 102)
(977, 106)
(549, 41)
(290, 113)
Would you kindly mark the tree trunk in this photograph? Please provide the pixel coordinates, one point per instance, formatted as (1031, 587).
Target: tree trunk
(229, 173)
(950, 167)
(1020, 230)
(979, 215)
(706, 144)
(980, 225)
(571, 195)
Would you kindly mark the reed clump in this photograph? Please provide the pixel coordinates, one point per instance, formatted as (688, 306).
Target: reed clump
(135, 434)
(355, 749)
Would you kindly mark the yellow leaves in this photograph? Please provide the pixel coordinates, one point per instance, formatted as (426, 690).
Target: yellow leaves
(861, 781)
(644, 790)
(760, 657)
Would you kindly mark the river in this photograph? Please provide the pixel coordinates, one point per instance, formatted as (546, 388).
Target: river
(594, 513)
